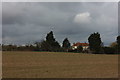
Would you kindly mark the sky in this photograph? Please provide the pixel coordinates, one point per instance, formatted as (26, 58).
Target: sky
(28, 22)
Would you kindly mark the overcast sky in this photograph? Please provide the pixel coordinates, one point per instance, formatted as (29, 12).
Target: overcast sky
(29, 22)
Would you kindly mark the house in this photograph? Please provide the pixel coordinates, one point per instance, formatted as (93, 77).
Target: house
(85, 46)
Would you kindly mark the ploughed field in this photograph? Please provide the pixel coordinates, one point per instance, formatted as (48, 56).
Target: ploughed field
(58, 65)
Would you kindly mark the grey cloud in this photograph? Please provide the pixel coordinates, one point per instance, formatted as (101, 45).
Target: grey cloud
(119, 18)
(28, 22)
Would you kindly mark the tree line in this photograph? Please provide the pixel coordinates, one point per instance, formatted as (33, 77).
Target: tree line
(50, 44)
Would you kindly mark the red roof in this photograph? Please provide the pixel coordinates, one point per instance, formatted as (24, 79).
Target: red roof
(80, 44)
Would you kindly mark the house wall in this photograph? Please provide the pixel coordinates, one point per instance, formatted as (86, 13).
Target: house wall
(84, 47)
(74, 47)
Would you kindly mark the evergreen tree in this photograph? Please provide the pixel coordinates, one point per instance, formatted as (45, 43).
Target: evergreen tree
(118, 40)
(50, 38)
(95, 43)
(51, 43)
(66, 44)
(118, 44)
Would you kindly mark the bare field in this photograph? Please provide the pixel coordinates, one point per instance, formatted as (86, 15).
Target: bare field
(58, 65)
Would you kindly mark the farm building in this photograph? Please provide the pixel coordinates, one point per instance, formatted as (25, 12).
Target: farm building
(85, 46)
